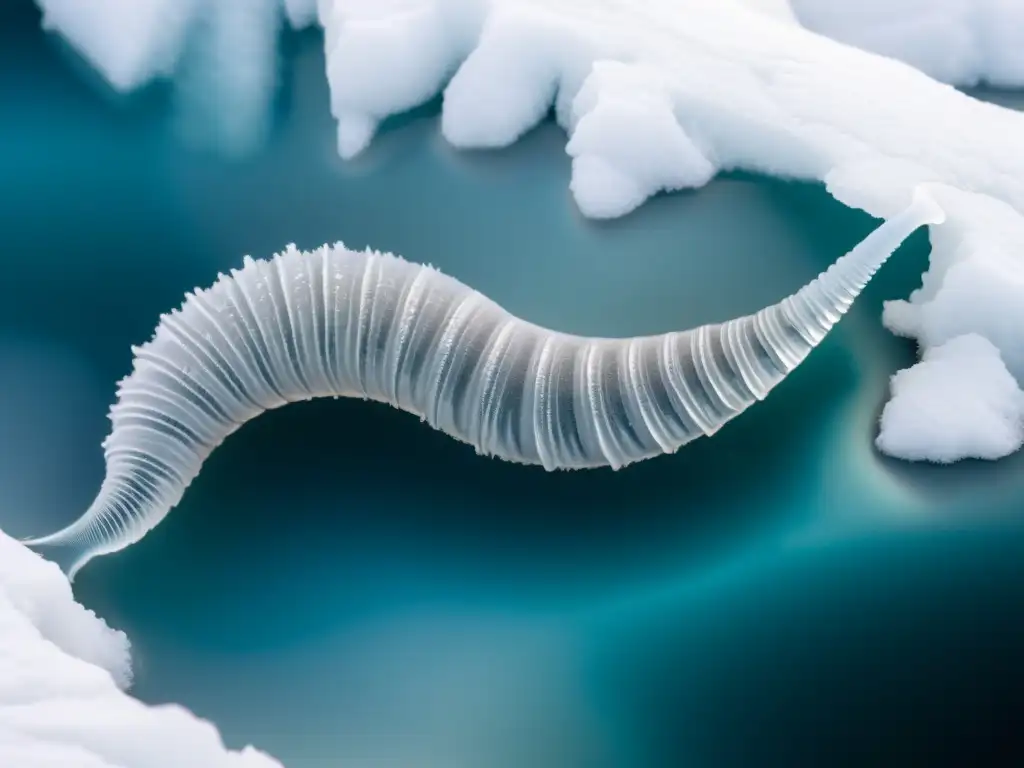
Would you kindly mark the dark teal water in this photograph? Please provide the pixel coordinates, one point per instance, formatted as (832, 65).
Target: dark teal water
(342, 583)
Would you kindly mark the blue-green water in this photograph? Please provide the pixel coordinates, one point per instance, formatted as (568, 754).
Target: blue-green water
(342, 583)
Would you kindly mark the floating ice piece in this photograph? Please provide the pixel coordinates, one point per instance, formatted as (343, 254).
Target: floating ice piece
(958, 402)
(627, 143)
(334, 322)
(128, 41)
(963, 400)
(62, 671)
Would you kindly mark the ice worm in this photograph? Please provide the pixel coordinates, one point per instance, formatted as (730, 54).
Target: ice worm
(335, 322)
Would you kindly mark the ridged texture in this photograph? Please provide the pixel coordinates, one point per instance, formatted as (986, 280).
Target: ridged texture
(334, 322)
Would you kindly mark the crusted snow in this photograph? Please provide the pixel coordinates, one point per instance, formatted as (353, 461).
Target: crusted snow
(959, 401)
(963, 399)
(660, 95)
(62, 675)
(957, 41)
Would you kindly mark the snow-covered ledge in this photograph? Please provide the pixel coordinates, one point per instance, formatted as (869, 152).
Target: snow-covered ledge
(62, 675)
(654, 95)
(964, 42)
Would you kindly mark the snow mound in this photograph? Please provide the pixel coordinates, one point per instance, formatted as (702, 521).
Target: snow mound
(958, 402)
(963, 42)
(627, 142)
(660, 95)
(975, 282)
(963, 399)
(62, 675)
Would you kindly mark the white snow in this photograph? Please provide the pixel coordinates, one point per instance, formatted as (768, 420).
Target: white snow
(62, 675)
(963, 399)
(129, 41)
(975, 282)
(958, 402)
(662, 94)
(957, 41)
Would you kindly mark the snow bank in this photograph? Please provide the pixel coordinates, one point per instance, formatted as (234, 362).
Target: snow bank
(721, 83)
(975, 281)
(957, 41)
(62, 671)
(665, 93)
(128, 41)
(963, 399)
(661, 95)
(958, 402)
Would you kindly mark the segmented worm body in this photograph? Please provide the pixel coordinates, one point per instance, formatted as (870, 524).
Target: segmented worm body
(334, 322)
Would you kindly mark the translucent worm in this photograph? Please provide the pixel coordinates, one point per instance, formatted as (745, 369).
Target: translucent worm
(335, 322)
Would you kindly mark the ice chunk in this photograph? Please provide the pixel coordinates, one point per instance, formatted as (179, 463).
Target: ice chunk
(627, 143)
(62, 671)
(129, 41)
(387, 57)
(963, 400)
(975, 283)
(958, 402)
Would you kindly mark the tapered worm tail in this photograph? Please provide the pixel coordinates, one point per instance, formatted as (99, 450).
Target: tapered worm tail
(334, 322)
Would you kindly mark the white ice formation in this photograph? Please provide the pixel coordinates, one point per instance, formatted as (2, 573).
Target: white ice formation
(968, 317)
(963, 42)
(661, 95)
(338, 323)
(63, 672)
(965, 379)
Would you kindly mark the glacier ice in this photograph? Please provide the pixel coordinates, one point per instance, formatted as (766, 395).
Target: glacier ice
(335, 322)
(63, 672)
(660, 95)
